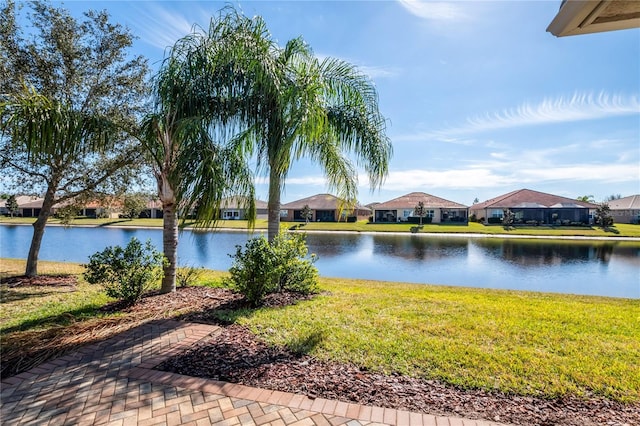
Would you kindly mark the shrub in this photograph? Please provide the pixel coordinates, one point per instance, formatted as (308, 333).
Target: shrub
(188, 275)
(125, 273)
(263, 268)
(494, 220)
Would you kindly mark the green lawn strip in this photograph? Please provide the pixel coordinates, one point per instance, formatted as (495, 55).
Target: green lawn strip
(523, 343)
(619, 230)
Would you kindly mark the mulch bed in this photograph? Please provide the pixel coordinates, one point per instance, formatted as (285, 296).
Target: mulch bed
(236, 355)
(41, 280)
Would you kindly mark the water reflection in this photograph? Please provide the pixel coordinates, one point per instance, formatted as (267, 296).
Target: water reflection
(327, 246)
(417, 247)
(581, 267)
(530, 253)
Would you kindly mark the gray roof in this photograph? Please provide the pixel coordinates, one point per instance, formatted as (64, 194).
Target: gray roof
(631, 202)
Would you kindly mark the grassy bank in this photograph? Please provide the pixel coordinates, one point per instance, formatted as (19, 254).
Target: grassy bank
(619, 230)
(517, 342)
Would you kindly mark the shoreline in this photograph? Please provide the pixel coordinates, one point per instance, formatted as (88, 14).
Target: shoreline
(318, 231)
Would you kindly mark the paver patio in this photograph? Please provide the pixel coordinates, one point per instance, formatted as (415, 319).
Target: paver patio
(113, 382)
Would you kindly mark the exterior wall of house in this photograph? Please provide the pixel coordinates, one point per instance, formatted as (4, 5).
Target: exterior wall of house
(626, 216)
(538, 216)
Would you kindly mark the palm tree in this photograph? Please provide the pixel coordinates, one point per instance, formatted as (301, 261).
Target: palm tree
(299, 106)
(194, 115)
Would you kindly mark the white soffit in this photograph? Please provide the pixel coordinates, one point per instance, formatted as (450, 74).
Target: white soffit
(594, 16)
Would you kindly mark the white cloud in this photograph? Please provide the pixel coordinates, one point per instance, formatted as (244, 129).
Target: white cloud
(374, 72)
(579, 107)
(435, 11)
(418, 180)
(161, 27)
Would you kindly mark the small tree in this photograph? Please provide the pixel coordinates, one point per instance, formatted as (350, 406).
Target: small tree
(282, 265)
(125, 273)
(134, 204)
(306, 213)
(508, 218)
(603, 216)
(12, 205)
(420, 211)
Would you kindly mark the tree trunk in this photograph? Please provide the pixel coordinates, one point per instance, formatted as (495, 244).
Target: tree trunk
(273, 205)
(38, 233)
(170, 247)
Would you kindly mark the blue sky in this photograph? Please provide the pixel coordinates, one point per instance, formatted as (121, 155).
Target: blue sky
(480, 99)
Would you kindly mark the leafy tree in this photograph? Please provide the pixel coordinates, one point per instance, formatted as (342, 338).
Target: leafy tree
(12, 205)
(613, 197)
(306, 213)
(420, 211)
(195, 93)
(134, 204)
(476, 200)
(70, 98)
(299, 106)
(508, 218)
(603, 216)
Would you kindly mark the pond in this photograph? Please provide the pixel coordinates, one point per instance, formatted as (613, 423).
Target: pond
(606, 268)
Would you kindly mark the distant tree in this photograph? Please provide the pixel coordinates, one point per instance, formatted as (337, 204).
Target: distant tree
(476, 201)
(508, 218)
(420, 211)
(306, 213)
(70, 97)
(586, 199)
(12, 205)
(613, 197)
(603, 216)
(134, 204)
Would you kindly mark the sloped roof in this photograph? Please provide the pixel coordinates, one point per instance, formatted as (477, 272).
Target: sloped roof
(631, 202)
(525, 197)
(31, 203)
(23, 200)
(235, 202)
(319, 202)
(411, 201)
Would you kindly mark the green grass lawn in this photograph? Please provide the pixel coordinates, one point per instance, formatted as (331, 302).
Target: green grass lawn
(523, 343)
(619, 230)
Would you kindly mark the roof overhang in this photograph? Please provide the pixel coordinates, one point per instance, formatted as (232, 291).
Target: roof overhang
(594, 16)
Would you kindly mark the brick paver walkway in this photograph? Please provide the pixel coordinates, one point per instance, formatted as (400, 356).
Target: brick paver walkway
(112, 382)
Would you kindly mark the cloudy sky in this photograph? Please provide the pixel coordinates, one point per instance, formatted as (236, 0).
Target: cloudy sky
(480, 99)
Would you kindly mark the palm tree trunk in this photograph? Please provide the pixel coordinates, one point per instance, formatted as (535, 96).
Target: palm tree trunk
(273, 205)
(38, 232)
(170, 247)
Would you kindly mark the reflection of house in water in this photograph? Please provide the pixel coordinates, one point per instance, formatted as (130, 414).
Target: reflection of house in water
(331, 245)
(539, 252)
(420, 247)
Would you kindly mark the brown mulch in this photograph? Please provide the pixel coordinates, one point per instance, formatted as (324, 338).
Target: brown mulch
(41, 280)
(238, 356)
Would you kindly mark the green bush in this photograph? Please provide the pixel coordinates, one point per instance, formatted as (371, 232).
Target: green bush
(125, 273)
(263, 268)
